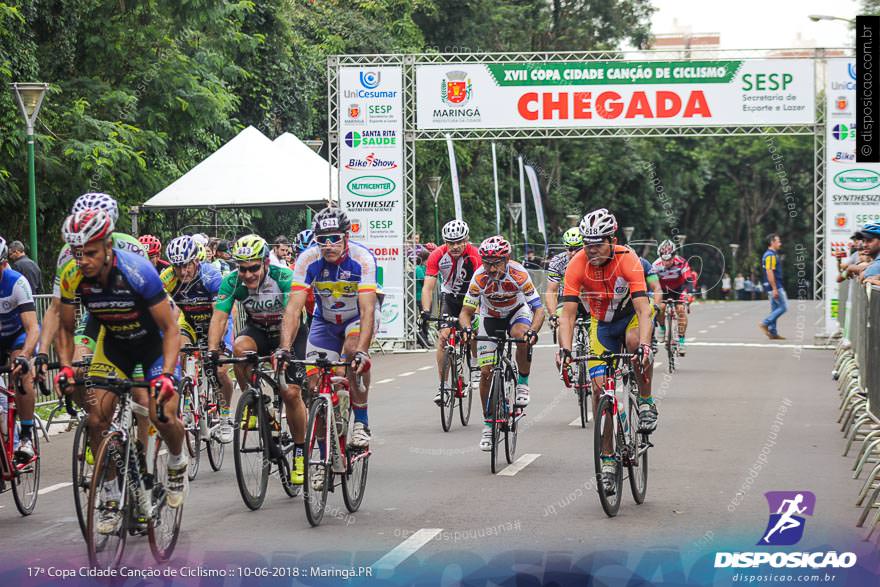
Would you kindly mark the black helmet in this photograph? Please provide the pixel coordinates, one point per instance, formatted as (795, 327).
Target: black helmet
(331, 220)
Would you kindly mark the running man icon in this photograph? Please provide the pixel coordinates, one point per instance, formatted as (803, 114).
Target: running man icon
(786, 524)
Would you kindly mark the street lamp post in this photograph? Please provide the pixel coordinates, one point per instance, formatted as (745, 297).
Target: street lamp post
(734, 247)
(315, 145)
(30, 98)
(628, 232)
(434, 185)
(679, 239)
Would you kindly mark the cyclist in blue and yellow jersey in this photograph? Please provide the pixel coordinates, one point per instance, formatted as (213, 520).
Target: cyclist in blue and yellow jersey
(19, 332)
(138, 328)
(263, 291)
(87, 329)
(193, 285)
(342, 275)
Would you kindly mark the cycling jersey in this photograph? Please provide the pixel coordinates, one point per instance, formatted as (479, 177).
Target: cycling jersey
(556, 268)
(677, 276)
(502, 297)
(15, 298)
(336, 285)
(195, 299)
(122, 306)
(608, 290)
(455, 273)
(650, 274)
(263, 306)
(121, 241)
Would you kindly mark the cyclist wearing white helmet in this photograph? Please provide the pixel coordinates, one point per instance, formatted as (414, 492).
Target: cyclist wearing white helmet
(19, 332)
(455, 263)
(610, 280)
(509, 302)
(677, 281)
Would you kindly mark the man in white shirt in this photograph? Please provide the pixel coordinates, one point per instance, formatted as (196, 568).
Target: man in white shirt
(280, 253)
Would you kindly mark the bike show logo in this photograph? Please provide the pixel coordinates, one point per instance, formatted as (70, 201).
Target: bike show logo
(857, 180)
(371, 186)
(844, 132)
(370, 80)
(456, 91)
(378, 139)
(785, 527)
(371, 161)
(843, 157)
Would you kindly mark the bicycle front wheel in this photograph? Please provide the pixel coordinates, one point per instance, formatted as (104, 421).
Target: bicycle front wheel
(191, 429)
(163, 528)
(211, 416)
(511, 427)
(354, 482)
(318, 472)
(606, 421)
(250, 450)
(449, 388)
(82, 472)
(26, 485)
(496, 415)
(467, 399)
(583, 391)
(106, 543)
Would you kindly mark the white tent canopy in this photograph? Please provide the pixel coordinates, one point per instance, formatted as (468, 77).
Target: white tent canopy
(248, 171)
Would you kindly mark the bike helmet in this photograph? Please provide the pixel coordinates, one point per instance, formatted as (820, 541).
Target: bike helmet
(303, 240)
(455, 231)
(202, 252)
(97, 201)
(86, 226)
(666, 249)
(494, 247)
(598, 225)
(250, 247)
(181, 250)
(572, 238)
(201, 238)
(871, 230)
(4, 250)
(331, 220)
(152, 244)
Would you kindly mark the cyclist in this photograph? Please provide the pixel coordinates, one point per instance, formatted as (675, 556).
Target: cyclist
(609, 278)
(263, 291)
(508, 302)
(138, 327)
(455, 262)
(193, 285)
(342, 275)
(87, 329)
(573, 242)
(19, 333)
(678, 280)
(153, 246)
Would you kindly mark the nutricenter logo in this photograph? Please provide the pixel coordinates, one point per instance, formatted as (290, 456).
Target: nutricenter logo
(857, 180)
(785, 527)
(371, 186)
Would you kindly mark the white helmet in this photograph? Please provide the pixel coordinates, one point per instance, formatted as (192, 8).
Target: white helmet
(181, 250)
(597, 225)
(666, 249)
(455, 230)
(201, 238)
(97, 201)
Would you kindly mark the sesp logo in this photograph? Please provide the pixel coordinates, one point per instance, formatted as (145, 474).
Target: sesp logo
(787, 510)
(370, 79)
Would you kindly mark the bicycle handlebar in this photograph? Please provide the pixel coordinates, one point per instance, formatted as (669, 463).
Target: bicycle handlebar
(249, 357)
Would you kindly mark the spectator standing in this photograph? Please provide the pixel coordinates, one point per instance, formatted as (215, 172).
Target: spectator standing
(420, 271)
(725, 286)
(280, 253)
(739, 286)
(217, 256)
(20, 262)
(749, 289)
(772, 269)
(871, 246)
(531, 262)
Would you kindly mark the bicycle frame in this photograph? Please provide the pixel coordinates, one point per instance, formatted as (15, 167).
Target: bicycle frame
(196, 371)
(9, 469)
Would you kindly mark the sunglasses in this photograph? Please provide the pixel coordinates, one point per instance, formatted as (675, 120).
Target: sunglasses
(329, 239)
(250, 268)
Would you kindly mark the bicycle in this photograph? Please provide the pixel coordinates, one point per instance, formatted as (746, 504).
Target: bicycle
(453, 386)
(23, 478)
(330, 417)
(140, 476)
(619, 425)
(261, 432)
(503, 415)
(201, 401)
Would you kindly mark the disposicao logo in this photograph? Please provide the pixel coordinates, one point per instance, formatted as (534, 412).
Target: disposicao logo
(371, 186)
(785, 527)
(857, 180)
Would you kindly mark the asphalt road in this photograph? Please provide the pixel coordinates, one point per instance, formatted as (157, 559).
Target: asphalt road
(742, 416)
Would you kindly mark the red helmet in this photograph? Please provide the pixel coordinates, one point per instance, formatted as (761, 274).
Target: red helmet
(494, 246)
(151, 243)
(86, 226)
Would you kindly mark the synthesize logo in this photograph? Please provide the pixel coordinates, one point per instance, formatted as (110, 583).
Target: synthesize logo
(370, 79)
(787, 510)
(456, 89)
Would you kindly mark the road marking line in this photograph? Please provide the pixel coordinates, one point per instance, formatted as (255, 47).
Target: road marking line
(692, 339)
(703, 331)
(405, 374)
(425, 368)
(575, 422)
(728, 317)
(721, 321)
(764, 345)
(55, 487)
(405, 549)
(518, 465)
(713, 326)
(389, 380)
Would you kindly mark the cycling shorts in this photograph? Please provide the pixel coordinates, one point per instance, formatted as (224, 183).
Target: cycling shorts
(609, 337)
(114, 358)
(10, 344)
(494, 327)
